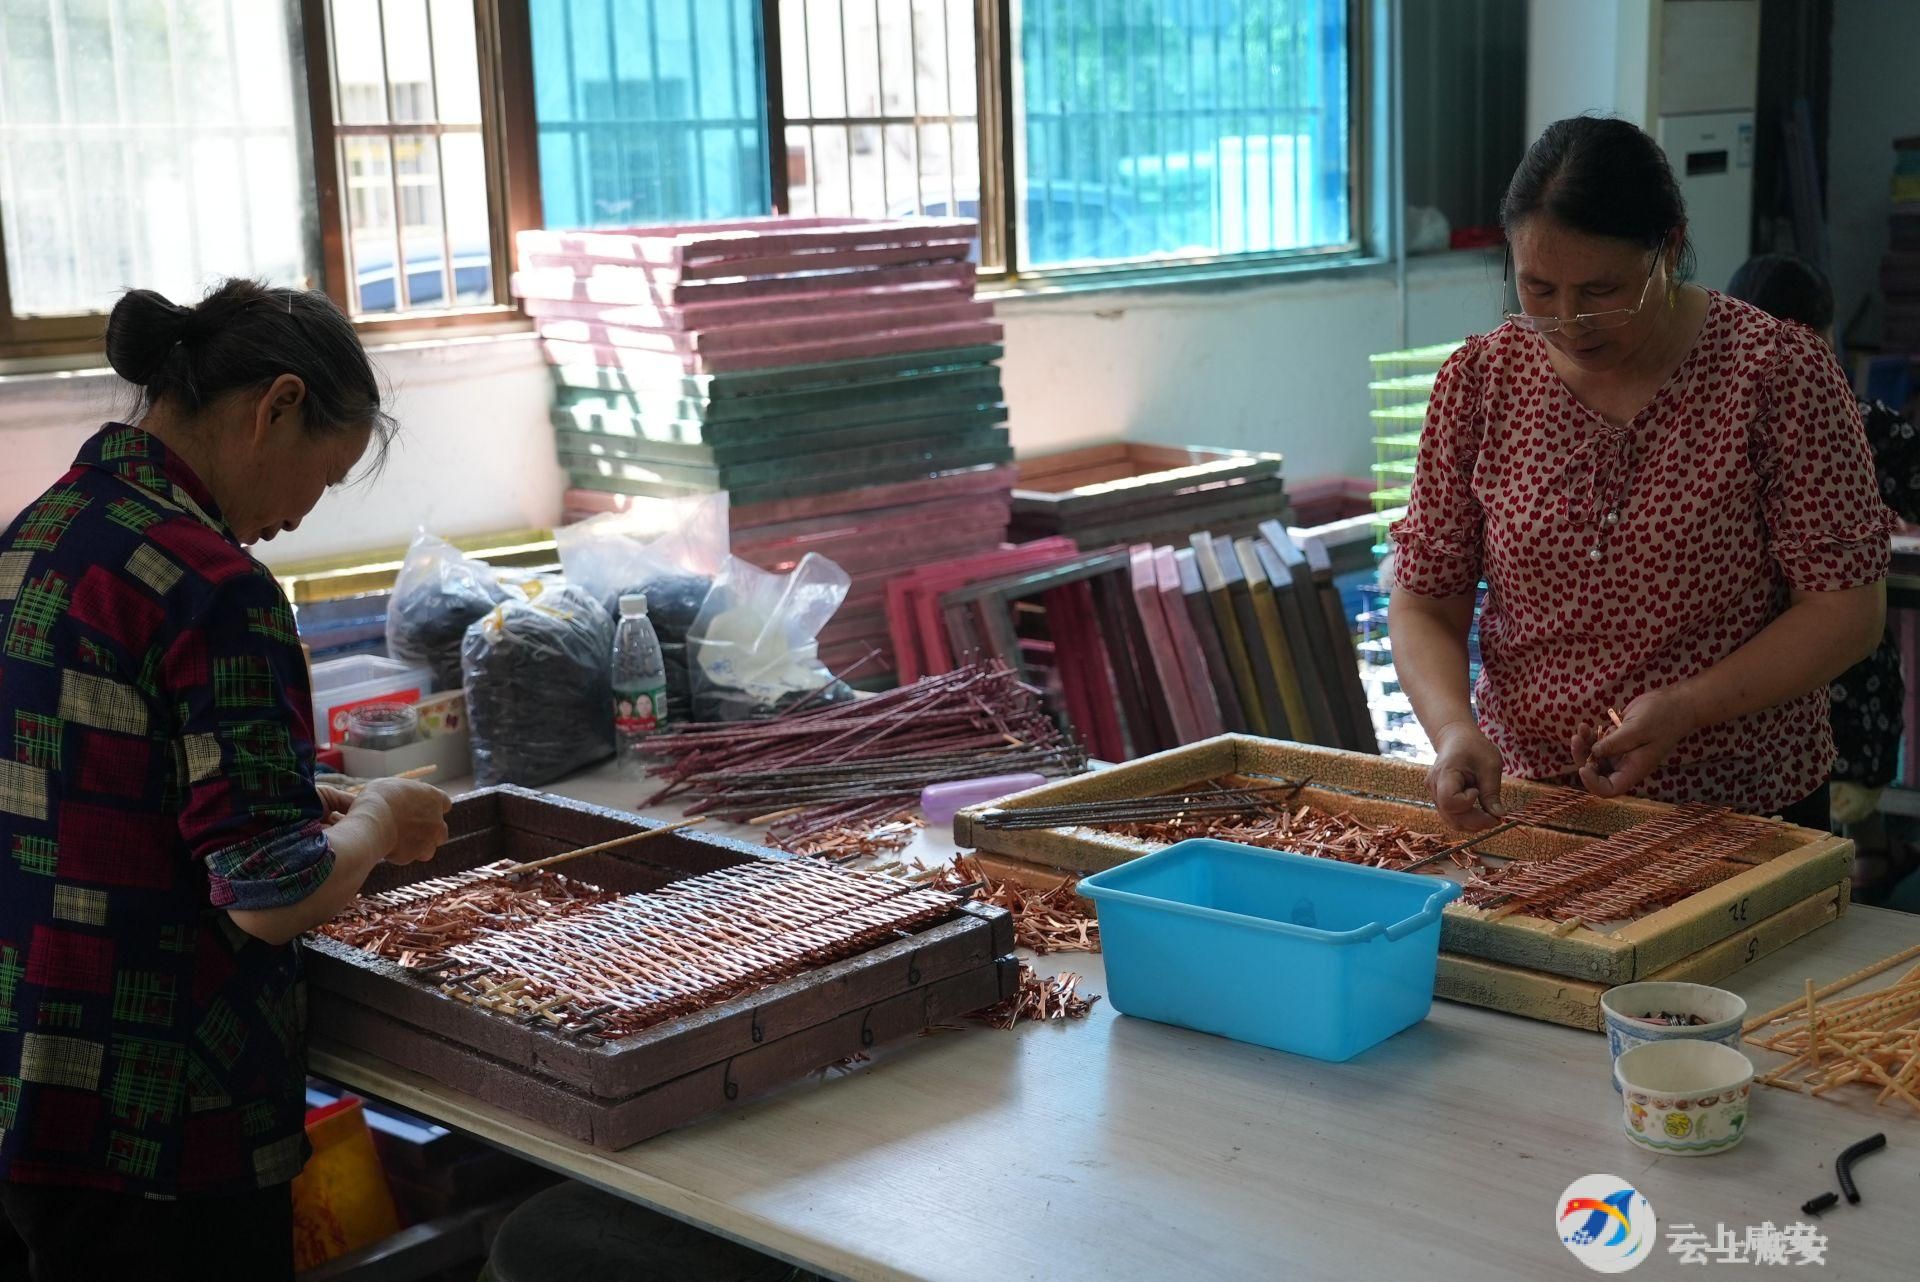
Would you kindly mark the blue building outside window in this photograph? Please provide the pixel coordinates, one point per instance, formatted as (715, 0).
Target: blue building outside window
(649, 111)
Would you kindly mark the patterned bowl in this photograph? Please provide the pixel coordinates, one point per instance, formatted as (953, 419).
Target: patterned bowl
(1724, 1013)
(1687, 1098)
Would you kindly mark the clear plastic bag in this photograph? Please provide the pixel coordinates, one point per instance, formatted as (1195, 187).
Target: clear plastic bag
(754, 647)
(670, 550)
(439, 594)
(539, 686)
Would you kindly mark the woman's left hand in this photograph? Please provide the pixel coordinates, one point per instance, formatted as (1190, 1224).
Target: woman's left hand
(1614, 763)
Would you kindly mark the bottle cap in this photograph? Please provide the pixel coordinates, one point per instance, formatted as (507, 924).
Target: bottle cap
(633, 605)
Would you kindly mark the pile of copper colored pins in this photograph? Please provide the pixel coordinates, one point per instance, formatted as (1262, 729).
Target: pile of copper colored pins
(1871, 1040)
(1308, 831)
(844, 843)
(1045, 921)
(1038, 1000)
(419, 922)
(812, 774)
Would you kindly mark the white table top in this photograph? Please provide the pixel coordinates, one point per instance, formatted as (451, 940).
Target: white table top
(1116, 1148)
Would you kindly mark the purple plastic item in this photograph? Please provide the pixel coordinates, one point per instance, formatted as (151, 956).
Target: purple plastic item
(940, 802)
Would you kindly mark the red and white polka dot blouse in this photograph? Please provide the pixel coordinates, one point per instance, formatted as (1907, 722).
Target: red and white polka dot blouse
(1620, 560)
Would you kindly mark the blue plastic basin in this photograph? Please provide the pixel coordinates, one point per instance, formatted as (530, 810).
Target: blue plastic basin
(1305, 955)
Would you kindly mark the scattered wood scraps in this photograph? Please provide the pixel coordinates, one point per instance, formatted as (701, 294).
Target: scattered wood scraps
(1870, 1040)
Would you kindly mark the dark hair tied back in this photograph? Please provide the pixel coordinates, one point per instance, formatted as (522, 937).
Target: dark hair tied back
(1787, 286)
(242, 336)
(1603, 177)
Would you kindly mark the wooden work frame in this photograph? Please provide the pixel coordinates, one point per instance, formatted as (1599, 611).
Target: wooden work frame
(1084, 483)
(618, 1091)
(1790, 864)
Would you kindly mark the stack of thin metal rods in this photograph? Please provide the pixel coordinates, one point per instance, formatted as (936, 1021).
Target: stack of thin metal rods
(861, 765)
(636, 960)
(1539, 887)
(1170, 807)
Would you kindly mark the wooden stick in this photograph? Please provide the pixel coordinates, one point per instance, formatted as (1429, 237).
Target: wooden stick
(1839, 985)
(616, 844)
(418, 772)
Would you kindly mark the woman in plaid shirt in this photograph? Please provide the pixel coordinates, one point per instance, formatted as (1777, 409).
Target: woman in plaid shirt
(162, 841)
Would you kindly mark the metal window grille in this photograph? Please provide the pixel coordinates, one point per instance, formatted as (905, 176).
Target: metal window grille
(410, 145)
(149, 141)
(881, 110)
(1182, 129)
(650, 111)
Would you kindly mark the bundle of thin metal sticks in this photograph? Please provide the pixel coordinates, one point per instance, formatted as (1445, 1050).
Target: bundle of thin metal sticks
(633, 961)
(1593, 874)
(1869, 1040)
(1216, 801)
(824, 772)
(1046, 921)
(420, 921)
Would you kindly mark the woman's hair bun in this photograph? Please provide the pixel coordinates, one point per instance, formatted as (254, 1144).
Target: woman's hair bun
(142, 332)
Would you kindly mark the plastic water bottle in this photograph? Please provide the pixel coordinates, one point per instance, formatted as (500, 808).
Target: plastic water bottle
(639, 681)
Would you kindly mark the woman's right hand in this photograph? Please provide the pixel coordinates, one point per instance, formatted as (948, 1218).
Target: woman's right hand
(411, 817)
(1465, 777)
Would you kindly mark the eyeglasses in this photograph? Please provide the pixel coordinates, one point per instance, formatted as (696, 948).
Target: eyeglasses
(1588, 320)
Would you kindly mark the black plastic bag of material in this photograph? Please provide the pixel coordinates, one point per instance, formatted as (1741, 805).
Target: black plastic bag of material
(439, 594)
(539, 687)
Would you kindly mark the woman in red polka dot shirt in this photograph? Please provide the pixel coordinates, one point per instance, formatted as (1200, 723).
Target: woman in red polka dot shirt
(1670, 498)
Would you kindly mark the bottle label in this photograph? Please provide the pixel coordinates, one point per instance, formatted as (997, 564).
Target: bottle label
(640, 711)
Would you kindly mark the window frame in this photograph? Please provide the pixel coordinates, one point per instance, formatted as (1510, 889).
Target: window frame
(503, 49)
(999, 174)
(509, 140)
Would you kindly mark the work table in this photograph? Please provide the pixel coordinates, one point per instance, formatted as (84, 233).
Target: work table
(1116, 1148)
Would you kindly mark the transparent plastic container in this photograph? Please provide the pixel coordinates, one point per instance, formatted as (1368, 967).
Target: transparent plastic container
(341, 685)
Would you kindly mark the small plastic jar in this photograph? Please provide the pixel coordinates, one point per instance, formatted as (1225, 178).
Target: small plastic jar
(382, 726)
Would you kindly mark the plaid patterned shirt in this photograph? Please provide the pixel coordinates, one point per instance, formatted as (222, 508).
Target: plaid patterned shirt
(156, 768)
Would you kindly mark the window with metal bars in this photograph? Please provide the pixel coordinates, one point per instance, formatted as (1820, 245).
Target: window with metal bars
(155, 142)
(369, 147)
(409, 139)
(1109, 133)
(880, 106)
(650, 111)
(387, 149)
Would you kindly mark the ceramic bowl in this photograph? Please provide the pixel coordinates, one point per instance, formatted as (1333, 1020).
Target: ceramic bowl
(1687, 1098)
(1724, 1012)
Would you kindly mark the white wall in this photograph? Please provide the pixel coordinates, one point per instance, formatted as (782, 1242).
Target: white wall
(1876, 98)
(1274, 367)
(475, 452)
(1279, 367)
(1590, 55)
